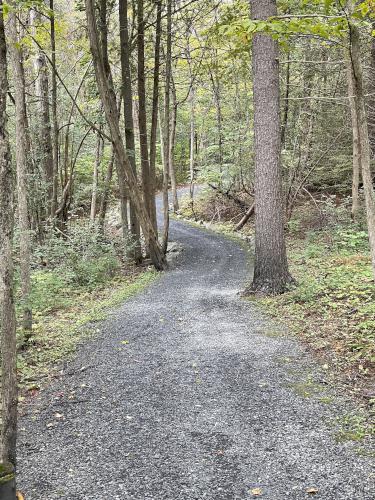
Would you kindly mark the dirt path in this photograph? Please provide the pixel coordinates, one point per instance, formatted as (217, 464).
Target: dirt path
(205, 401)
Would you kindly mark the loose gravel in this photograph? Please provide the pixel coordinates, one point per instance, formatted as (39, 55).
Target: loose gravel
(189, 392)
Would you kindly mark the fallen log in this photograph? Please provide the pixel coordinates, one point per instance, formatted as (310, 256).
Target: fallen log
(245, 218)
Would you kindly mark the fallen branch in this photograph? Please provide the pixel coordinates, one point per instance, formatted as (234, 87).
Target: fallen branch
(245, 218)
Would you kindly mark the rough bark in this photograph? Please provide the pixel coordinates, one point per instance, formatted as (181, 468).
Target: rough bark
(124, 167)
(55, 126)
(44, 120)
(8, 388)
(142, 114)
(271, 275)
(22, 161)
(128, 119)
(154, 115)
(103, 33)
(364, 143)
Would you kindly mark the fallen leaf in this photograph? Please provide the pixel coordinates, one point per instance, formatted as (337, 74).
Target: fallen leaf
(19, 496)
(125, 342)
(58, 415)
(312, 491)
(256, 492)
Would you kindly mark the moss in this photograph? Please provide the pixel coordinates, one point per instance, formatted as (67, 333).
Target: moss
(307, 388)
(6, 473)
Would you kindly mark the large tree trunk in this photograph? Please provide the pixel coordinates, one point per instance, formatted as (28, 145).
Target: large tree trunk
(128, 119)
(192, 140)
(22, 161)
(8, 388)
(44, 121)
(124, 167)
(356, 80)
(155, 108)
(271, 275)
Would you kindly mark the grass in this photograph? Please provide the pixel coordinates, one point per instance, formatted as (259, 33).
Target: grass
(58, 332)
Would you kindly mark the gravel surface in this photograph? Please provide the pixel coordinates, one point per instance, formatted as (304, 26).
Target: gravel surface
(189, 392)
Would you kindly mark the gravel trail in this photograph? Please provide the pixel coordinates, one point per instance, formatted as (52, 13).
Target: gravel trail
(207, 400)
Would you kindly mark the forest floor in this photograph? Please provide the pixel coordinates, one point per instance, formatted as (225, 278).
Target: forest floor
(190, 392)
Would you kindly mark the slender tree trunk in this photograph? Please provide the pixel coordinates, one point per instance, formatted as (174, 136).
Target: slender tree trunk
(167, 126)
(356, 142)
(22, 161)
(8, 388)
(95, 177)
(271, 275)
(154, 117)
(103, 32)
(128, 119)
(364, 143)
(124, 167)
(172, 171)
(55, 126)
(44, 121)
(286, 104)
(142, 115)
(106, 191)
(192, 140)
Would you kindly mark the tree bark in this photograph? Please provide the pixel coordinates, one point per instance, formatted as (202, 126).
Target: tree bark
(172, 170)
(44, 125)
(128, 119)
(124, 167)
(55, 126)
(8, 408)
(106, 191)
(22, 162)
(271, 275)
(142, 114)
(154, 116)
(95, 177)
(356, 142)
(364, 143)
(167, 126)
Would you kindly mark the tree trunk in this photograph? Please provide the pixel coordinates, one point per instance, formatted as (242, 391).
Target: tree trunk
(44, 122)
(271, 275)
(22, 162)
(154, 117)
(106, 191)
(167, 126)
(95, 177)
(364, 143)
(124, 167)
(8, 388)
(192, 140)
(172, 171)
(128, 119)
(55, 127)
(142, 116)
(356, 144)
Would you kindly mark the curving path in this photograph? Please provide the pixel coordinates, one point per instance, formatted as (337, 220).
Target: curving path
(204, 402)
